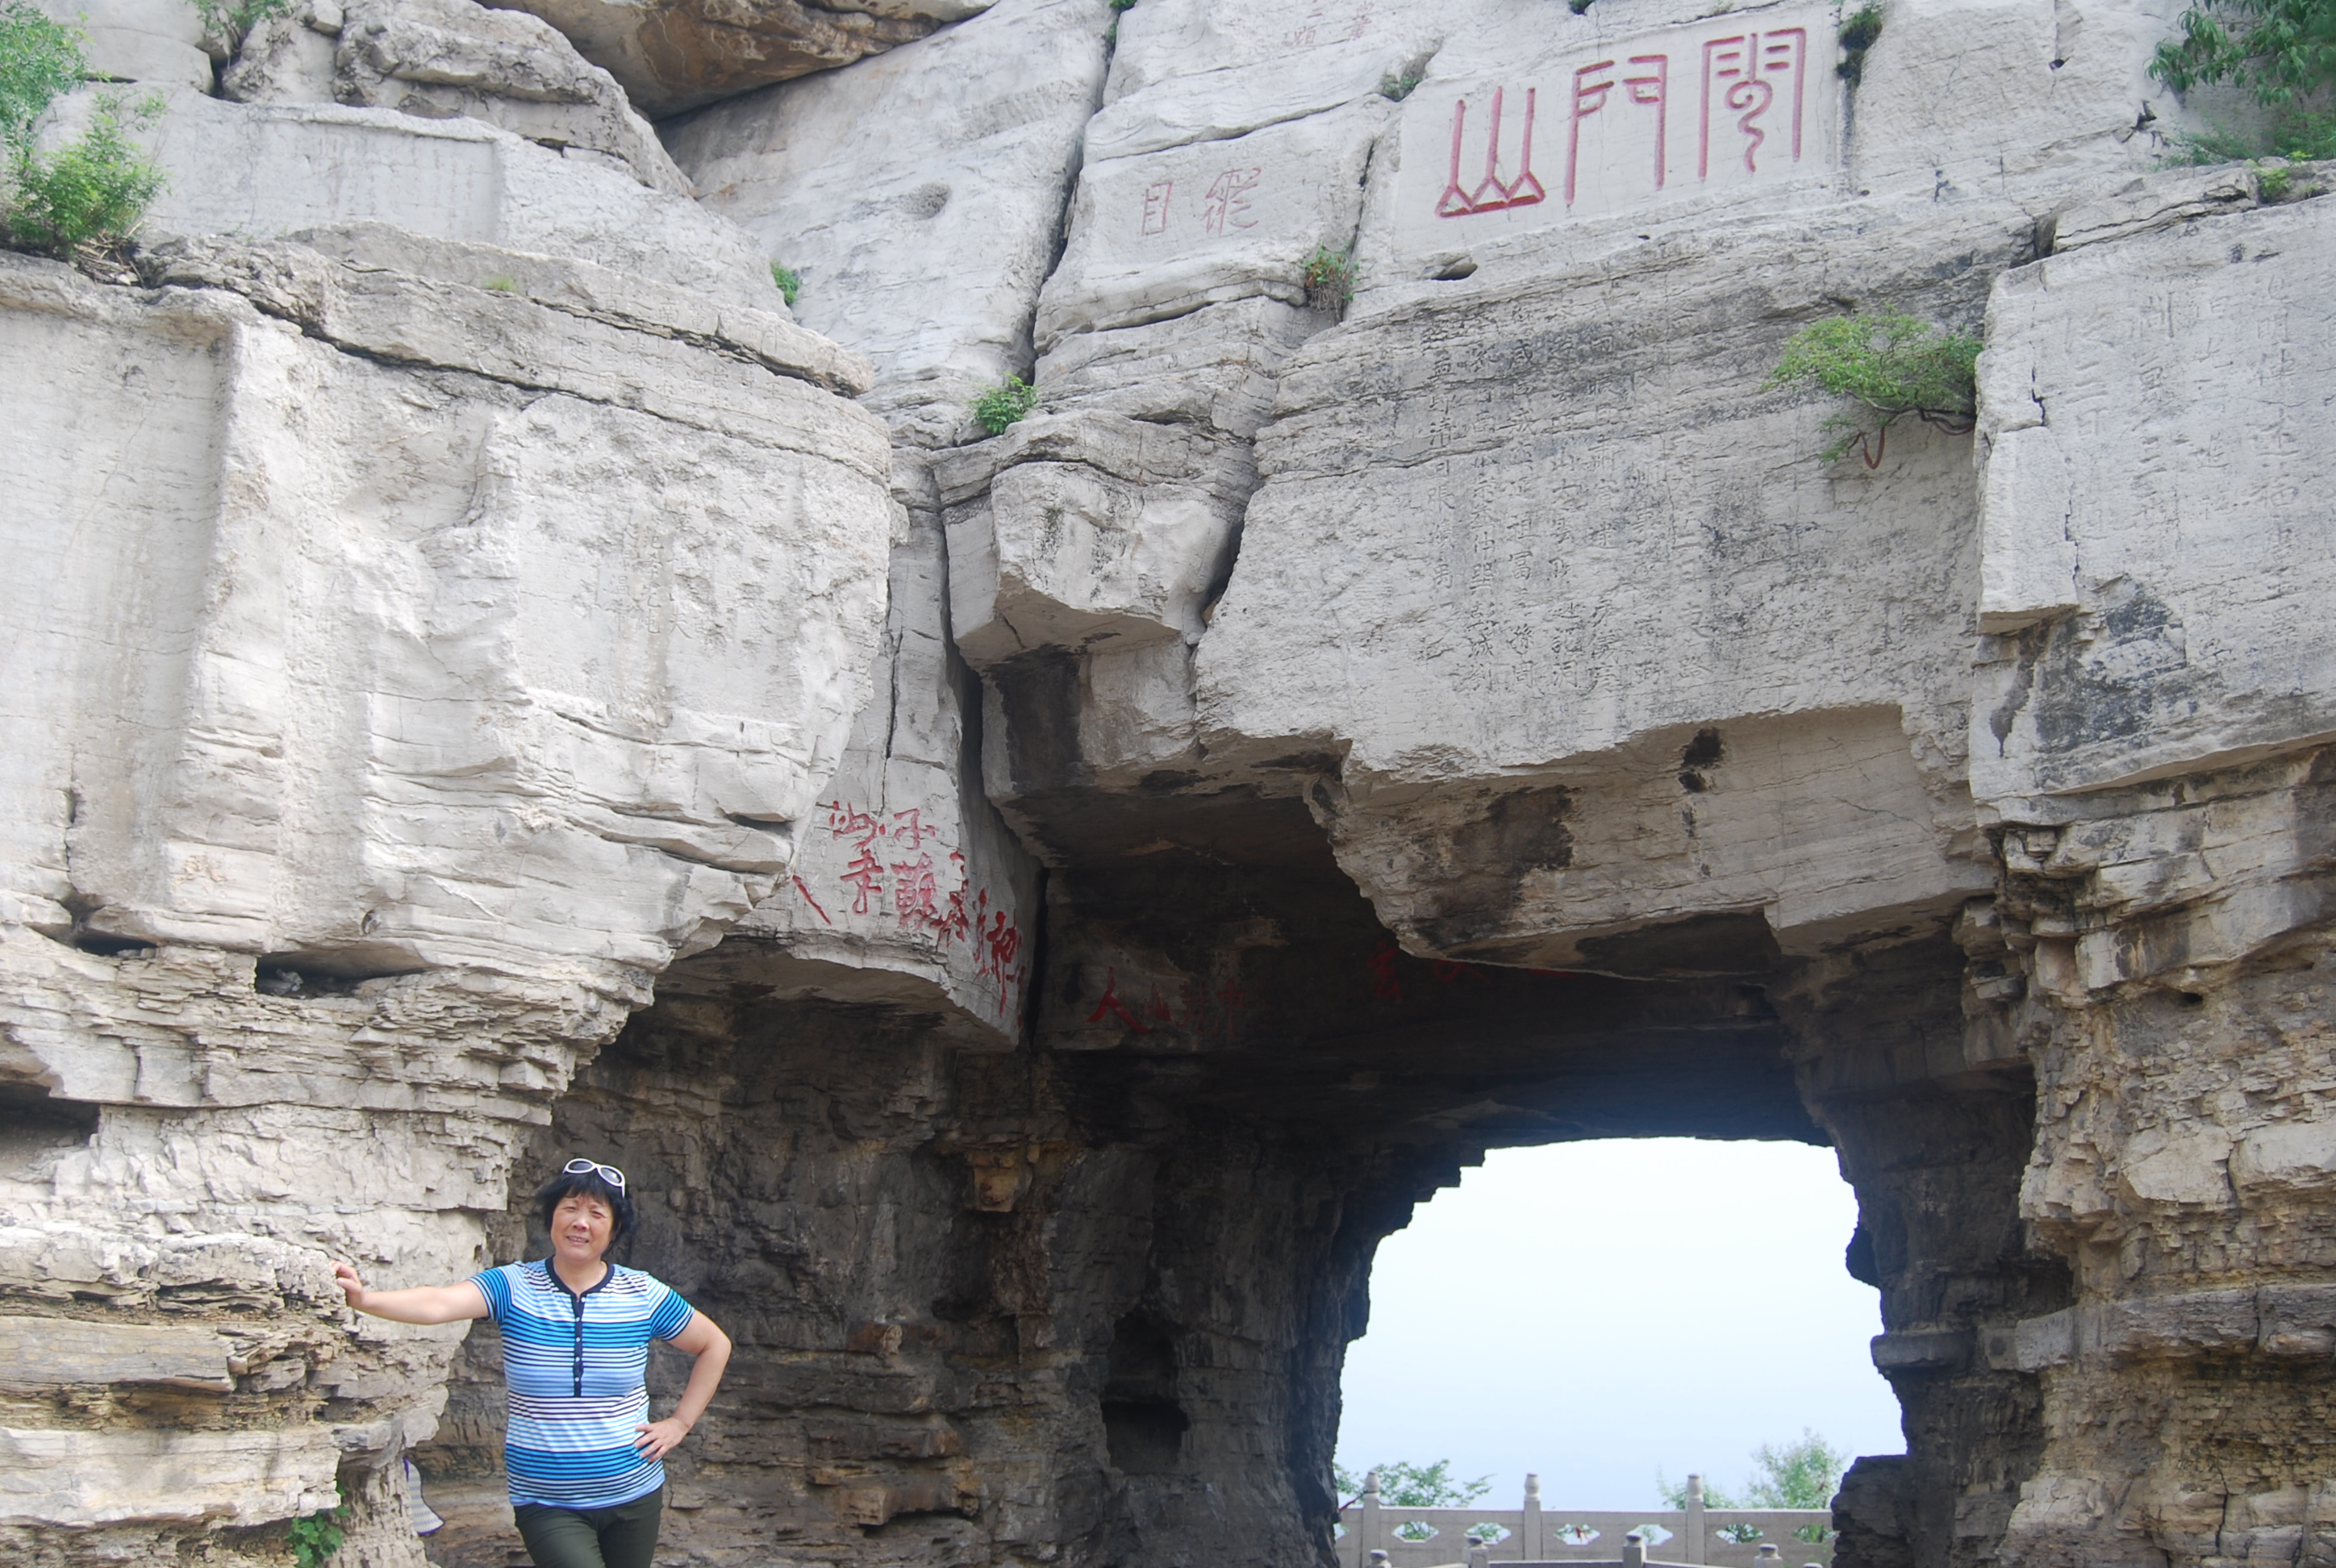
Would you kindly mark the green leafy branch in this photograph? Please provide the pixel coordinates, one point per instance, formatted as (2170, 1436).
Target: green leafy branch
(40, 63)
(1403, 1485)
(2283, 52)
(1890, 365)
(1802, 1474)
(90, 194)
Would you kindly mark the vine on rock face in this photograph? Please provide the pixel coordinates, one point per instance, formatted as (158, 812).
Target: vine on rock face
(1002, 406)
(2282, 51)
(788, 281)
(84, 201)
(1891, 365)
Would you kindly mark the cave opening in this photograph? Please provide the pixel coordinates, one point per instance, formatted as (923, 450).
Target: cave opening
(1599, 1313)
(1089, 1300)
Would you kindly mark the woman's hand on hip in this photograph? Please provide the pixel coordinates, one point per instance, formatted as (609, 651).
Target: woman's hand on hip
(658, 1438)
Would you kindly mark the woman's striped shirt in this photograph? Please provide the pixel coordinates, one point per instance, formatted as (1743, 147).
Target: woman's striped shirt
(573, 1371)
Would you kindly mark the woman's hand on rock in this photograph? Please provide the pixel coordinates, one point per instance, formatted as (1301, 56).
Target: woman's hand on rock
(658, 1438)
(345, 1277)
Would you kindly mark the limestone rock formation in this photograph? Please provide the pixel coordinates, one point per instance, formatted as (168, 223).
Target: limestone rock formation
(672, 56)
(444, 60)
(1031, 910)
(922, 247)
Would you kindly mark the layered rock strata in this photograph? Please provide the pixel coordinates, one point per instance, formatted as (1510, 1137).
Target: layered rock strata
(1411, 689)
(439, 637)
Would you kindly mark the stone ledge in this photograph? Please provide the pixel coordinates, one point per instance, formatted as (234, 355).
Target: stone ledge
(53, 1352)
(2279, 1320)
(78, 1479)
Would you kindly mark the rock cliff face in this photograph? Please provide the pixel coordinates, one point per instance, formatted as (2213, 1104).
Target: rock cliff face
(1032, 911)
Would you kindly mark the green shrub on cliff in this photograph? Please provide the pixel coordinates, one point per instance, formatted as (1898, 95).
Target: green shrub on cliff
(89, 194)
(2281, 52)
(1002, 406)
(1890, 365)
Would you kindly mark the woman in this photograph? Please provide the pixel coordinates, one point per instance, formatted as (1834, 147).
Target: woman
(584, 1459)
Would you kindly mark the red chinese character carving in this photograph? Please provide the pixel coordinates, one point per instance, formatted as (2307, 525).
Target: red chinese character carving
(1226, 205)
(956, 922)
(1385, 984)
(912, 832)
(1493, 193)
(1112, 1006)
(916, 893)
(866, 874)
(1003, 941)
(1744, 66)
(845, 821)
(1159, 1008)
(809, 900)
(1155, 205)
(1649, 87)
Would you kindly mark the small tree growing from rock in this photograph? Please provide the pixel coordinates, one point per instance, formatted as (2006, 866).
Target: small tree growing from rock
(84, 199)
(2283, 52)
(1890, 365)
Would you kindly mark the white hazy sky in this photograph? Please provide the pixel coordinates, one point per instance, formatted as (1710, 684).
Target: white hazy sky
(1593, 1310)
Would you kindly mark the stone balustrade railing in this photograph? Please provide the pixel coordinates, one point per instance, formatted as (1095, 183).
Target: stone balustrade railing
(1375, 1534)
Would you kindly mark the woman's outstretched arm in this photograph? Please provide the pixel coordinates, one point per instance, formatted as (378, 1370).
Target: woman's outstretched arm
(422, 1304)
(710, 1346)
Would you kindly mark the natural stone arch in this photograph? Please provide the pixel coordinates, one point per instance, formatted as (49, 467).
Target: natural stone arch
(1089, 1299)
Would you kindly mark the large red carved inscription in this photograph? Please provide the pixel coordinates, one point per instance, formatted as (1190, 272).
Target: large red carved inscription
(1701, 110)
(891, 875)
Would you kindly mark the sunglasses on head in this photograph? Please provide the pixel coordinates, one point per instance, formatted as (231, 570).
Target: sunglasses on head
(608, 1173)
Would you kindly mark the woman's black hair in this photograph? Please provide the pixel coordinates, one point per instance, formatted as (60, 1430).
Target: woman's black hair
(591, 1184)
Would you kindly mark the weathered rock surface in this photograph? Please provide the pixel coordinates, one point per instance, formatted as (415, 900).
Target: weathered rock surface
(923, 247)
(676, 54)
(140, 39)
(439, 639)
(1411, 689)
(450, 59)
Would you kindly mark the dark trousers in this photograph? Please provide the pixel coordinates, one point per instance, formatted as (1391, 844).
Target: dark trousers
(624, 1537)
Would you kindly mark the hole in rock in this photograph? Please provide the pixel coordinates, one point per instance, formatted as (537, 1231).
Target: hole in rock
(109, 947)
(34, 1123)
(1456, 271)
(326, 974)
(1595, 1313)
(1142, 1424)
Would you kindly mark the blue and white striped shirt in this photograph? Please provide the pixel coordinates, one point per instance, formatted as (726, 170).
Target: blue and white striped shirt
(573, 1372)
